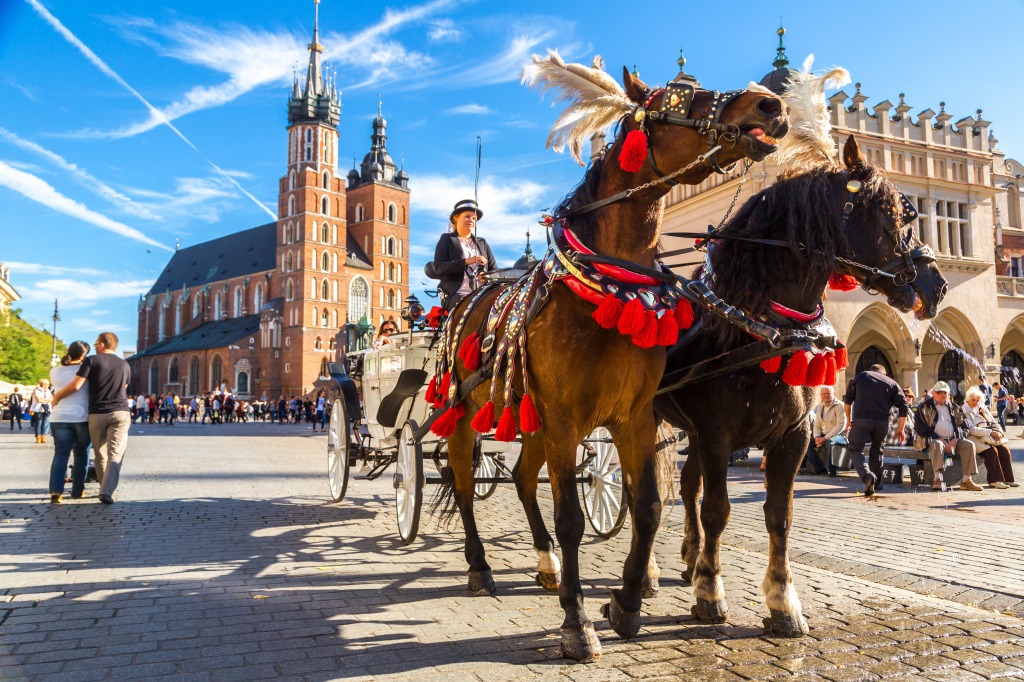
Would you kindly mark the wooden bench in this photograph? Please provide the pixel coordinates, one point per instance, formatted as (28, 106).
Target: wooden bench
(919, 466)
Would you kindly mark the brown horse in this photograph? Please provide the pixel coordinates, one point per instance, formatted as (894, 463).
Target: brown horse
(581, 375)
(781, 248)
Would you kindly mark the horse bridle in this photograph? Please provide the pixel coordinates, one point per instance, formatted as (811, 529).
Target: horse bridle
(903, 268)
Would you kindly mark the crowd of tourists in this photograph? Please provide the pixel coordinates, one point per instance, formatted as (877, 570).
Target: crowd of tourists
(223, 407)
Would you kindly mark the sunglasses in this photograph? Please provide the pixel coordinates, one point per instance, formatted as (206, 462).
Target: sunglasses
(388, 330)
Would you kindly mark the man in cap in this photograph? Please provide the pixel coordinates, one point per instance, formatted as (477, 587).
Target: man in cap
(939, 428)
(871, 396)
(460, 257)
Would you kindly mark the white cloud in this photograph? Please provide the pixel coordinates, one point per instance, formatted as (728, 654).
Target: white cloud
(76, 293)
(83, 177)
(444, 31)
(471, 109)
(202, 198)
(44, 269)
(38, 190)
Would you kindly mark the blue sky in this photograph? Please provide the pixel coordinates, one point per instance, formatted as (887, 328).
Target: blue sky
(128, 125)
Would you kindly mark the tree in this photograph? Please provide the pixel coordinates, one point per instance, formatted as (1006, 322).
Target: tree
(25, 351)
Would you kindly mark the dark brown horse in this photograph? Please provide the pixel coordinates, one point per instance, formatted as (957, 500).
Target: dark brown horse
(825, 229)
(582, 376)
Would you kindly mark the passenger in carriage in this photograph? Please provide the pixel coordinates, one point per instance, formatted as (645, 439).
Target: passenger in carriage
(387, 328)
(460, 257)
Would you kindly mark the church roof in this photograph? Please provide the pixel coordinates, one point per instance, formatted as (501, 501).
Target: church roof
(234, 255)
(210, 335)
(355, 257)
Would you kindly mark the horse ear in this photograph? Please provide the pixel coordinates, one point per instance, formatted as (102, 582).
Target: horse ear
(636, 89)
(852, 157)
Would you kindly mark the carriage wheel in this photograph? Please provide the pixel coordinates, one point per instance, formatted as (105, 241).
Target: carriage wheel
(338, 448)
(409, 483)
(485, 468)
(602, 486)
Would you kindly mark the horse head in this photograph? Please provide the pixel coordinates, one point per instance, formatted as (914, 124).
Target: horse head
(681, 121)
(885, 253)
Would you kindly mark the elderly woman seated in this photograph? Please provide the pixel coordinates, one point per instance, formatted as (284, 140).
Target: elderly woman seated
(989, 439)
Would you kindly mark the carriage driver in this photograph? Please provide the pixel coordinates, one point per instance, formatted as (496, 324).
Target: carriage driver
(461, 257)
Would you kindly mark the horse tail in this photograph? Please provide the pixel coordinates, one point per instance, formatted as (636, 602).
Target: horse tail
(443, 506)
(665, 469)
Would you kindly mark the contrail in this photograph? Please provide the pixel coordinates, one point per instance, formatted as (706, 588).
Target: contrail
(102, 66)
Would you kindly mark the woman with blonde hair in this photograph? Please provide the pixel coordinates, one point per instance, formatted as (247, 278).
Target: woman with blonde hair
(990, 440)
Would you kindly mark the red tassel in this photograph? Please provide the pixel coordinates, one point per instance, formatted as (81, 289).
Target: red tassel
(445, 425)
(648, 334)
(772, 365)
(841, 360)
(442, 391)
(796, 369)
(633, 152)
(431, 396)
(816, 370)
(633, 317)
(470, 352)
(506, 431)
(607, 314)
(435, 316)
(668, 330)
(483, 422)
(842, 282)
(684, 314)
(830, 370)
(529, 420)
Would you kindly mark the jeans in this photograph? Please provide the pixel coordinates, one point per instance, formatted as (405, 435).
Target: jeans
(69, 437)
(42, 423)
(819, 460)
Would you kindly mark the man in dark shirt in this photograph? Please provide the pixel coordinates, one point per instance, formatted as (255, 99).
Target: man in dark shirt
(109, 416)
(875, 395)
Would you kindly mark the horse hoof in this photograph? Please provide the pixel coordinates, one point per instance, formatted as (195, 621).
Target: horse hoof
(710, 611)
(625, 623)
(687, 575)
(481, 583)
(650, 587)
(782, 624)
(549, 581)
(581, 644)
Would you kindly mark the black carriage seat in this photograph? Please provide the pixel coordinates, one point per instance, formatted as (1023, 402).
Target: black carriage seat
(409, 382)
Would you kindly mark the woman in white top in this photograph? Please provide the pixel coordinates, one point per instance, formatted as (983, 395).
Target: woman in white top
(39, 406)
(70, 426)
(989, 440)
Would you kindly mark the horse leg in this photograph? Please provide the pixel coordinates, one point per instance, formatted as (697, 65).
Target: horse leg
(635, 442)
(531, 459)
(786, 618)
(709, 595)
(689, 490)
(579, 640)
(460, 459)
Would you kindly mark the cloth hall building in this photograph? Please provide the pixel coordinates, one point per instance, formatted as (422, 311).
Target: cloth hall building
(260, 310)
(968, 194)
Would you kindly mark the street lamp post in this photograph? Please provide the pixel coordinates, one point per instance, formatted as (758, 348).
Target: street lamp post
(54, 360)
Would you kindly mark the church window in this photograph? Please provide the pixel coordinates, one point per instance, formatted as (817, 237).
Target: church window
(324, 318)
(161, 322)
(237, 312)
(195, 306)
(391, 272)
(291, 179)
(218, 306)
(242, 383)
(172, 371)
(326, 262)
(392, 213)
(325, 290)
(332, 344)
(177, 315)
(289, 262)
(154, 378)
(289, 290)
(309, 153)
(359, 213)
(325, 233)
(291, 205)
(257, 299)
(327, 180)
(193, 374)
(358, 299)
(325, 206)
(389, 246)
(216, 369)
(391, 298)
(403, 215)
(318, 344)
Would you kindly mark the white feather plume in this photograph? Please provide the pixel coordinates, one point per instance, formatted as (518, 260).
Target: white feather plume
(595, 100)
(809, 143)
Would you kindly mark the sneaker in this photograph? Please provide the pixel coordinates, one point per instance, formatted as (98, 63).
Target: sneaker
(55, 498)
(869, 485)
(969, 485)
(107, 499)
(998, 485)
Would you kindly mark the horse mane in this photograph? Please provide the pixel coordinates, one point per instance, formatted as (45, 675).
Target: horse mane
(582, 194)
(799, 209)
(595, 100)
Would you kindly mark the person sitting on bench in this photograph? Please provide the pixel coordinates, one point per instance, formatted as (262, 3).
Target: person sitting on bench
(940, 429)
(989, 440)
(829, 423)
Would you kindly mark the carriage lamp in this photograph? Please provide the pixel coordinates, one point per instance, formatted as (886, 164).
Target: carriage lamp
(412, 311)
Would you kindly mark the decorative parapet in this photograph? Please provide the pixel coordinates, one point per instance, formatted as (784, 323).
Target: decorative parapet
(1010, 286)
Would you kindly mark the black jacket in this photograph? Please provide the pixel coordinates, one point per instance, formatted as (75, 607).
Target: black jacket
(449, 265)
(875, 394)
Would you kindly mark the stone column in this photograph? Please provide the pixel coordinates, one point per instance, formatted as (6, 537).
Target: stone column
(909, 376)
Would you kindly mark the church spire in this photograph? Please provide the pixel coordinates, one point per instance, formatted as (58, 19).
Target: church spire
(314, 74)
(781, 60)
(319, 100)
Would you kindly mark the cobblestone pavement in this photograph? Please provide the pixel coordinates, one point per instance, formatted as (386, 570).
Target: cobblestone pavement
(224, 559)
